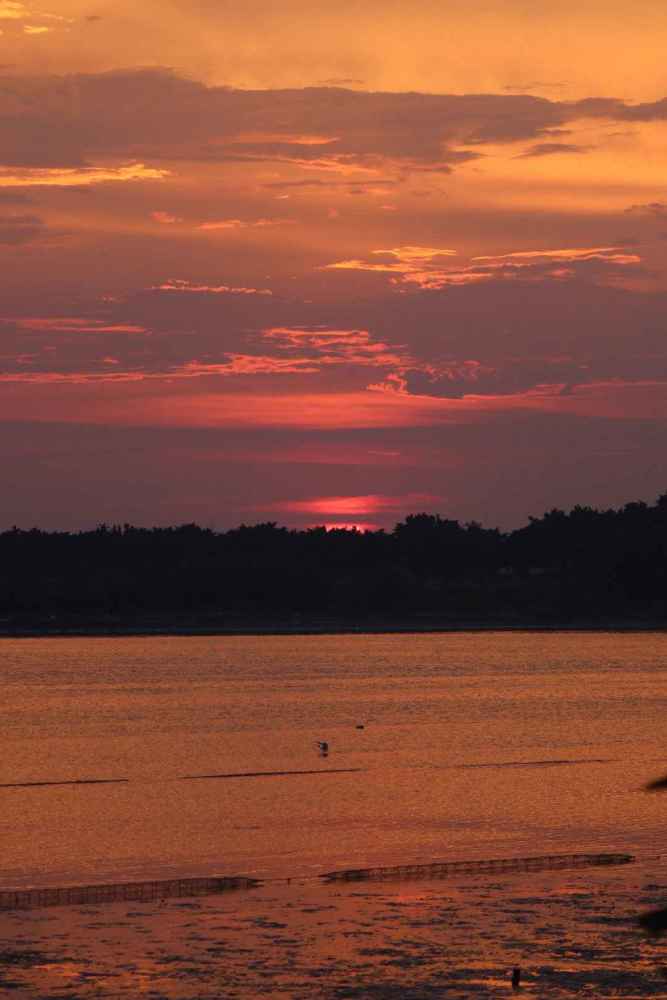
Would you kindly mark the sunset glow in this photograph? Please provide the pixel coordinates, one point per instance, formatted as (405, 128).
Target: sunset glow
(431, 236)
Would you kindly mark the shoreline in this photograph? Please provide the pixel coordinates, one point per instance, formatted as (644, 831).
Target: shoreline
(315, 628)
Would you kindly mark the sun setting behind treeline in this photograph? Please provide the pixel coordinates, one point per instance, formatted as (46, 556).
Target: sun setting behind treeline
(582, 568)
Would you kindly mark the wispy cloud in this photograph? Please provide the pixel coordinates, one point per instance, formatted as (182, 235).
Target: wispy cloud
(655, 209)
(165, 218)
(235, 224)
(338, 347)
(180, 285)
(553, 149)
(12, 10)
(411, 253)
(70, 324)
(77, 176)
(613, 254)
(420, 266)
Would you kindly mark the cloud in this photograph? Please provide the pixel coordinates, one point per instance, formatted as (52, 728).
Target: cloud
(458, 379)
(180, 285)
(411, 253)
(76, 177)
(338, 347)
(457, 346)
(71, 324)
(157, 349)
(419, 266)
(157, 115)
(341, 81)
(248, 364)
(656, 209)
(15, 14)
(245, 224)
(365, 265)
(11, 10)
(614, 254)
(380, 185)
(552, 148)
(67, 378)
(165, 218)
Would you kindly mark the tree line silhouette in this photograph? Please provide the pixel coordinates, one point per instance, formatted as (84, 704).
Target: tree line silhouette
(585, 565)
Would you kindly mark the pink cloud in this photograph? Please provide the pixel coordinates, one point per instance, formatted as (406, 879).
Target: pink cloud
(248, 364)
(351, 506)
(336, 347)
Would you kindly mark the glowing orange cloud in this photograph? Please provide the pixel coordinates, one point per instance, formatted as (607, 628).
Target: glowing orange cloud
(613, 254)
(364, 265)
(13, 10)
(77, 176)
(417, 266)
(410, 253)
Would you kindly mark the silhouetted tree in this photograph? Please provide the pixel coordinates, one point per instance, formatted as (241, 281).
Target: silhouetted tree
(583, 566)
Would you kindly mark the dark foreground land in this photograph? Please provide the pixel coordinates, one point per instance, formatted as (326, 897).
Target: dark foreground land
(583, 569)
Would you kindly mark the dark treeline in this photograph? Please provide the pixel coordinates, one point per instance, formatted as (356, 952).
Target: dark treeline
(583, 566)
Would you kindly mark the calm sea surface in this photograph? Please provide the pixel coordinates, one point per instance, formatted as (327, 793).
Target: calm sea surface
(474, 746)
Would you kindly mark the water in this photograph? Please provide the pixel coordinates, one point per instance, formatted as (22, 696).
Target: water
(475, 745)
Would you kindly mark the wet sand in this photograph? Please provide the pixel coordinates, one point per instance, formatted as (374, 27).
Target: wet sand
(573, 933)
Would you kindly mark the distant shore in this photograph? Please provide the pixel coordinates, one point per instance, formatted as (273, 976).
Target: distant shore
(293, 625)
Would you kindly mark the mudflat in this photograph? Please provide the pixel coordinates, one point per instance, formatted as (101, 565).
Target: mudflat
(573, 933)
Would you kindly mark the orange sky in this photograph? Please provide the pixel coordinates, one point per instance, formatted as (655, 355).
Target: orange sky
(268, 263)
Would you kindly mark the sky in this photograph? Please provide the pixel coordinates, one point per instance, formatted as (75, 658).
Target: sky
(322, 263)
